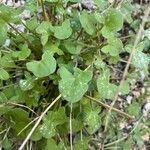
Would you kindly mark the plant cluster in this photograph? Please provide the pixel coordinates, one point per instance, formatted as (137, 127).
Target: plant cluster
(65, 48)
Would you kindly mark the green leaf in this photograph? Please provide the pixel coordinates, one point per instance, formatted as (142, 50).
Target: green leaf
(114, 46)
(6, 143)
(19, 117)
(73, 47)
(87, 22)
(4, 74)
(141, 61)
(32, 24)
(3, 32)
(23, 54)
(77, 125)
(43, 68)
(64, 31)
(51, 144)
(73, 86)
(134, 109)
(27, 84)
(36, 136)
(106, 89)
(44, 27)
(44, 38)
(48, 129)
(52, 119)
(113, 20)
(9, 14)
(7, 62)
(125, 88)
(99, 64)
(81, 144)
(53, 48)
(92, 119)
(3, 98)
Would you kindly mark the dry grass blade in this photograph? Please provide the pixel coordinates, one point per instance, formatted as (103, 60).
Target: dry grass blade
(28, 125)
(37, 123)
(23, 106)
(108, 107)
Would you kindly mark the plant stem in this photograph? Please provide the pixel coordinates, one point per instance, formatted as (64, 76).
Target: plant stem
(108, 107)
(45, 15)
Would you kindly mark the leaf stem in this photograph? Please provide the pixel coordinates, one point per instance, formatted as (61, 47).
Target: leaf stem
(108, 107)
(45, 15)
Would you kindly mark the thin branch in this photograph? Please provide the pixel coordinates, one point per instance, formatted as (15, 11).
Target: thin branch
(18, 33)
(37, 123)
(71, 142)
(23, 106)
(138, 37)
(45, 15)
(108, 107)
(3, 131)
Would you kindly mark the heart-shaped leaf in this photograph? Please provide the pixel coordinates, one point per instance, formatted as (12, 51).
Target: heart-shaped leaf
(73, 86)
(64, 31)
(50, 122)
(114, 46)
(106, 89)
(73, 47)
(23, 54)
(113, 20)
(43, 68)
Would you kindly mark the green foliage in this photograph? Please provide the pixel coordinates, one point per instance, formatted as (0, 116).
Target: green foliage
(105, 88)
(73, 86)
(134, 109)
(75, 52)
(92, 119)
(87, 22)
(54, 118)
(141, 61)
(3, 31)
(113, 20)
(64, 31)
(43, 68)
(4, 74)
(113, 47)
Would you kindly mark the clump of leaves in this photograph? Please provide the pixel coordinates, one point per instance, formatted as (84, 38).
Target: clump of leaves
(72, 51)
